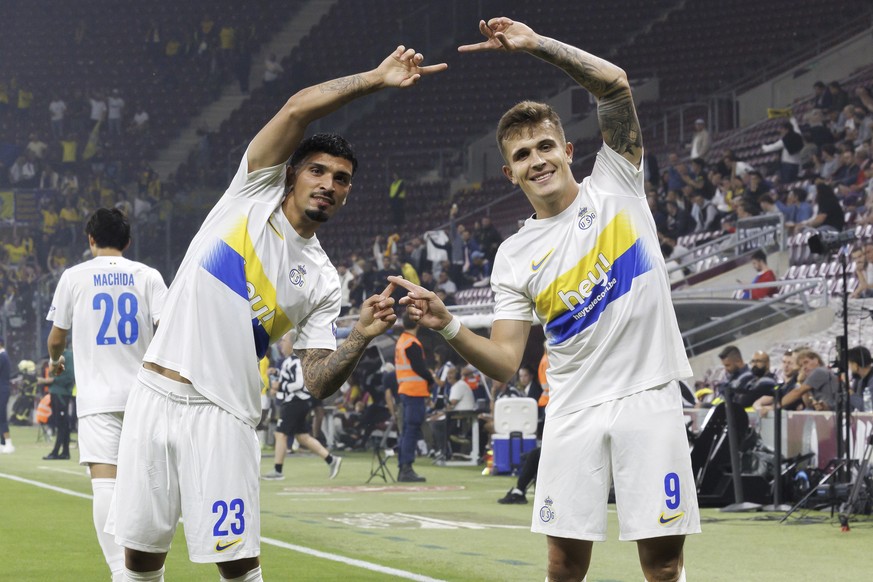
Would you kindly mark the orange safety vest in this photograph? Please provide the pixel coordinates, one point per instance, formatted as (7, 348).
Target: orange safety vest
(408, 381)
(541, 376)
(44, 410)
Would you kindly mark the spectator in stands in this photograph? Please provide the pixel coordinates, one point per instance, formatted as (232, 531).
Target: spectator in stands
(679, 221)
(816, 128)
(479, 272)
(734, 167)
(37, 147)
(863, 259)
(57, 109)
(764, 404)
(427, 281)
(23, 173)
(829, 214)
(98, 109)
(847, 171)
(673, 267)
(861, 369)
(658, 215)
(789, 144)
(765, 275)
(706, 216)
(48, 178)
(346, 281)
(701, 141)
(272, 70)
(115, 107)
(823, 98)
(746, 386)
(796, 210)
(839, 97)
(769, 205)
(446, 284)
(139, 124)
(527, 384)
(488, 237)
(676, 169)
(817, 387)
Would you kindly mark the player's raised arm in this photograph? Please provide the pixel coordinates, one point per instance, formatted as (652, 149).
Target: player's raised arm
(275, 143)
(497, 357)
(607, 82)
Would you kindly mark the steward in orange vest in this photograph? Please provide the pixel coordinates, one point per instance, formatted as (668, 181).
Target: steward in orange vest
(413, 382)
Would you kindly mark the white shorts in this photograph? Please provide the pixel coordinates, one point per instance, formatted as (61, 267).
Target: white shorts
(182, 455)
(639, 443)
(98, 438)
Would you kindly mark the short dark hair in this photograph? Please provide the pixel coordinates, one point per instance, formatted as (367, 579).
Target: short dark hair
(525, 115)
(759, 255)
(110, 228)
(818, 85)
(800, 193)
(327, 143)
(408, 323)
(860, 356)
(730, 352)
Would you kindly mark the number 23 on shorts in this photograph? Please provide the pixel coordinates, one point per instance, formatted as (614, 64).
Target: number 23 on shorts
(231, 520)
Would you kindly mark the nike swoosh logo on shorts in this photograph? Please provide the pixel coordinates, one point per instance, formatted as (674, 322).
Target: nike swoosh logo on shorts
(534, 266)
(220, 548)
(671, 519)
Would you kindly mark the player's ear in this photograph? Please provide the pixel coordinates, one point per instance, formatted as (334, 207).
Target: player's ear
(507, 171)
(568, 149)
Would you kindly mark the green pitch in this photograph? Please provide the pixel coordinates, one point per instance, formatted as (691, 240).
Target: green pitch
(451, 528)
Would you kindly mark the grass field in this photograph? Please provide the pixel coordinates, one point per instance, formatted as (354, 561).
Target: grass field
(450, 528)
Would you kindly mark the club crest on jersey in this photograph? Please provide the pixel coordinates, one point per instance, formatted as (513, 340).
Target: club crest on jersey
(547, 514)
(296, 276)
(586, 218)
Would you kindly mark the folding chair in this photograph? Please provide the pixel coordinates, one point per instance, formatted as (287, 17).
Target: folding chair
(379, 462)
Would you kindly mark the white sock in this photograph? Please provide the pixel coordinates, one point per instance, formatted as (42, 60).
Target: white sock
(131, 576)
(250, 576)
(681, 577)
(112, 552)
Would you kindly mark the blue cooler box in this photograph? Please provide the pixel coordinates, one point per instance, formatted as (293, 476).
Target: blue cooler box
(501, 447)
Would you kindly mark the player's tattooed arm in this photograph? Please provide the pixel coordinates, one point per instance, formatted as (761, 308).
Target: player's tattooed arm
(608, 83)
(324, 371)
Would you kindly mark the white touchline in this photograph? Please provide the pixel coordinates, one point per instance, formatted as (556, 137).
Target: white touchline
(270, 541)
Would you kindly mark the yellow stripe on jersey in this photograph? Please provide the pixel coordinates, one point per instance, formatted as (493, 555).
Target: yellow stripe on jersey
(261, 291)
(573, 287)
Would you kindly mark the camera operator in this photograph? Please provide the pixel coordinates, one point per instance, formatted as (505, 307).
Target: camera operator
(817, 386)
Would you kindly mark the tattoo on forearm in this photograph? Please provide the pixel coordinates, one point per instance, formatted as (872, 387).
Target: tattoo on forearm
(618, 120)
(352, 86)
(324, 371)
(615, 109)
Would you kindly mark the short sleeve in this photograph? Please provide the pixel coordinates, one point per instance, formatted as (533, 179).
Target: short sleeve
(267, 184)
(61, 311)
(614, 174)
(510, 301)
(318, 330)
(157, 295)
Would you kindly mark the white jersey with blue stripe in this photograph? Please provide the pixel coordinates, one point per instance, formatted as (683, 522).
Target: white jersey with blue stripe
(246, 280)
(595, 279)
(112, 304)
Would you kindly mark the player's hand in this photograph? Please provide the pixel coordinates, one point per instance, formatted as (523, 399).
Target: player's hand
(503, 34)
(422, 305)
(403, 68)
(377, 313)
(59, 366)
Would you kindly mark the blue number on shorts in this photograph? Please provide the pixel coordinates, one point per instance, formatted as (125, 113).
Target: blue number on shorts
(238, 507)
(238, 526)
(671, 489)
(128, 327)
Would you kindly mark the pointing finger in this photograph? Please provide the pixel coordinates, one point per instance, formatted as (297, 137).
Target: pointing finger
(389, 290)
(408, 285)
